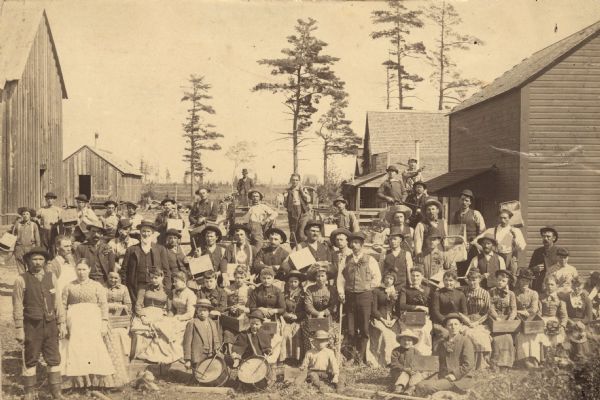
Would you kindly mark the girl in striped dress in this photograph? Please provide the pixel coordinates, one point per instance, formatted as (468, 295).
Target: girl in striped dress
(478, 305)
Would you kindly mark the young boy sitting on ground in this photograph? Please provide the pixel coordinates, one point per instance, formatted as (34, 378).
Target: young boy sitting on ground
(321, 364)
(252, 342)
(403, 372)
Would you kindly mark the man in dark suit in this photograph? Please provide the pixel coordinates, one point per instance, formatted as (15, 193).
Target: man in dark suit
(457, 361)
(244, 185)
(203, 211)
(543, 257)
(253, 342)
(297, 202)
(97, 253)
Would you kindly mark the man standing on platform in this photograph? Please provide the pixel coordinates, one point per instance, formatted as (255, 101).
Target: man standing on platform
(412, 175)
(475, 225)
(543, 257)
(297, 203)
(261, 217)
(392, 189)
(203, 211)
(244, 185)
(49, 217)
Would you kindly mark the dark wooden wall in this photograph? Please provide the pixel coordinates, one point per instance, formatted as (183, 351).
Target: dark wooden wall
(31, 130)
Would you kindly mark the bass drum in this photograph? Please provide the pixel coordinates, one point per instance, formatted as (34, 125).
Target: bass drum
(212, 372)
(255, 371)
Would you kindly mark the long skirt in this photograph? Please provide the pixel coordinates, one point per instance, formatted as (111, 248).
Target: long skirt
(160, 340)
(292, 341)
(84, 354)
(382, 341)
(424, 345)
(503, 350)
(529, 345)
(482, 344)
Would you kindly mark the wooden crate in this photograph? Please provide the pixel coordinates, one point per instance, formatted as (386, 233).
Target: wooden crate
(418, 318)
(235, 324)
(269, 327)
(70, 216)
(505, 326)
(534, 326)
(426, 363)
(119, 321)
(316, 324)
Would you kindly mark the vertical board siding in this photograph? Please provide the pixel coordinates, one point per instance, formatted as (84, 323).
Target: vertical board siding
(31, 130)
(564, 133)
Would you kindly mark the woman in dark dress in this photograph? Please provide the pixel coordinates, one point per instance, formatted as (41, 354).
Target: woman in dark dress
(293, 316)
(417, 298)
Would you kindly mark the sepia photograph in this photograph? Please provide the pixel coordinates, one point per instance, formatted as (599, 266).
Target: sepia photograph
(250, 199)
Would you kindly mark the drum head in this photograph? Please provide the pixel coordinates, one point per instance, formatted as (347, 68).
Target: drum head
(253, 370)
(209, 370)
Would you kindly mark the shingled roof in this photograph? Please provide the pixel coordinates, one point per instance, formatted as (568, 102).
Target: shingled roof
(124, 166)
(19, 24)
(530, 67)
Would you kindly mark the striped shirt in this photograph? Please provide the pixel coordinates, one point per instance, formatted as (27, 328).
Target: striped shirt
(478, 301)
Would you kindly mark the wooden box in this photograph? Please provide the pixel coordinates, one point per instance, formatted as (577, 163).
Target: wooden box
(119, 321)
(235, 324)
(426, 363)
(418, 318)
(269, 327)
(505, 326)
(70, 216)
(533, 326)
(316, 324)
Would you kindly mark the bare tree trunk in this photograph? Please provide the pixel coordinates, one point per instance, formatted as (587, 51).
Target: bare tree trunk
(399, 77)
(387, 85)
(441, 82)
(295, 123)
(325, 151)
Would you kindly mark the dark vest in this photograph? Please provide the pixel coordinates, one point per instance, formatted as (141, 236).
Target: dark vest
(428, 227)
(321, 254)
(358, 277)
(468, 219)
(490, 267)
(408, 243)
(397, 265)
(38, 299)
(215, 257)
(290, 202)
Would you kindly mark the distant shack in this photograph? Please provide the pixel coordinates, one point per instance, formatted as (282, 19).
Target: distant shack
(101, 176)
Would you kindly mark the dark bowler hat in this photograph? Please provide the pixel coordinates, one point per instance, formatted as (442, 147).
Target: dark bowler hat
(243, 227)
(396, 231)
(212, 228)
(467, 193)
(37, 251)
(278, 231)
(109, 202)
(413, 159)
(146, 223)
(525, 273)
(420, 183)
(124, 223)
(244, 170)
(549, 229)
(340, 200)
(50, 195)
(167, 200)
(392, 168)
(312, 223)
(357, 236)
(561, 251)
(173, 232)
(256, 314)
(295, 274)
(339, 231)
(83, 198)
(251, 192)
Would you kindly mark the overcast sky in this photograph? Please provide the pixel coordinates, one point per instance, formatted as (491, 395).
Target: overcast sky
(125, 62)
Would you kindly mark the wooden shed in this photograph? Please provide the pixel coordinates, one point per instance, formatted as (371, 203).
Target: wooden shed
(534, 135)
(392, 137)
(101, 175)
(31, 93)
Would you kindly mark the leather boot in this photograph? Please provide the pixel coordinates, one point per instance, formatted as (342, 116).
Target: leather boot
(363, 349)
(29, 387)
(55, 383)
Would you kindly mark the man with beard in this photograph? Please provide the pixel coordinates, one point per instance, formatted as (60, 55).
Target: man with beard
(416, 200)
(203, 211)
(543, 257)
(319, 250)
(273, 255)
(97, 253)
(177, 259)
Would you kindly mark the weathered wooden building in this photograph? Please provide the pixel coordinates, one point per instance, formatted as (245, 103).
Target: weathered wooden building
(31, 92)
(392, 137)
(101, 175)
(534, 135)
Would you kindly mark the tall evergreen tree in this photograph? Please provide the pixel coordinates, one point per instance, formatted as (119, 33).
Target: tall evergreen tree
(307, 77)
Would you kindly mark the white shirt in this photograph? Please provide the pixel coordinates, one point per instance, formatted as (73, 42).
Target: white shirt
(506, 242)
(261, 213)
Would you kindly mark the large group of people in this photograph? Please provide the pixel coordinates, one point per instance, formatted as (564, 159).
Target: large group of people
(118, 288)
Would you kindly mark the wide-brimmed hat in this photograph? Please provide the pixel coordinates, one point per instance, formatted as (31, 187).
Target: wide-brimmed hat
(31, 211)
(211, 228)
(199, 189)
(256, 314)
(82, 197)
(561, 251)
(396, 231)
(487, 236)
(312, 223)
(357, 235)
(321, 335)
(243, 227)
(549, 229)
(339, 231)
(525, 273)
(167, 200)
(451, 316)
(400, 208)
(37, 251)
(109, 202)
(340, 200)
(295, 274)
(173, 232)
(421, 183)
(204, 303)
(277, 231)
(124, 223)
(467, 193)
(146, 223)
(392, 168)
(432, 200)
(50, 195)
(407, 333)
(251, 192)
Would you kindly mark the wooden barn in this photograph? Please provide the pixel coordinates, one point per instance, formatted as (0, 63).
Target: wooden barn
(392, 137)
(101, 176)
(534, 135)
(31, 93)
